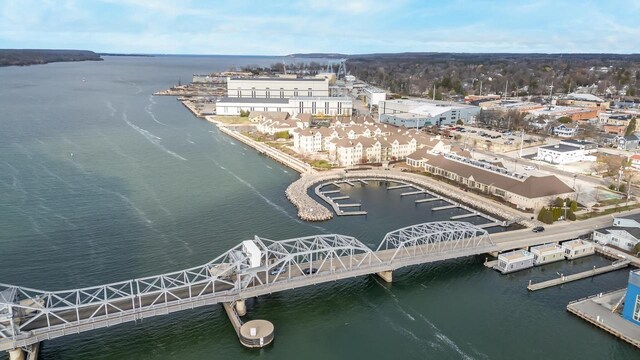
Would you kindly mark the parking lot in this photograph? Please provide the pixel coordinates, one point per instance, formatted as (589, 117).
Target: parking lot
(498, 140)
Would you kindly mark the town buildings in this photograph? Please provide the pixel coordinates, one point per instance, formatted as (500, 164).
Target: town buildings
(567, 151)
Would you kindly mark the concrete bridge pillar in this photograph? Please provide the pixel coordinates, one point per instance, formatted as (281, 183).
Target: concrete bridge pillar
(16, 354)
(386, 275)
(241, 308)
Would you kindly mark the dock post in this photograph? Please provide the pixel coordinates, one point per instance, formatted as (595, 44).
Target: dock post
(241, 308)
(386, 276)
(16, 354)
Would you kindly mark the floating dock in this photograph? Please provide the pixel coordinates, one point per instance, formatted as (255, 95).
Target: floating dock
(399, 187)
(582, 275)
(412, 193)
(349, 205)
(331, 191)
(463, 216)
(445, 207)
(345, 197)
(428, 200)
(491, 224)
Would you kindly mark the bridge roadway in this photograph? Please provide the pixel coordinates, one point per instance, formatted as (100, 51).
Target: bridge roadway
(46, 315)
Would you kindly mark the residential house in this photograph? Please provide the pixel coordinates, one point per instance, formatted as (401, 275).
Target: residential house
(629, 142)
(565, 130)
(624, 233)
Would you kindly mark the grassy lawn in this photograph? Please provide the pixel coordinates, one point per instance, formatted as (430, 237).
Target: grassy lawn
(321, 164)
(232, 119)
(607, 211)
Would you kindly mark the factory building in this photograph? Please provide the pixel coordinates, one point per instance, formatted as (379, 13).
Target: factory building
(418, 114)
(276, 87)
(317, 106)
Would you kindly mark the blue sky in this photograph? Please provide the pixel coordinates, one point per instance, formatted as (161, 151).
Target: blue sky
(275, 27)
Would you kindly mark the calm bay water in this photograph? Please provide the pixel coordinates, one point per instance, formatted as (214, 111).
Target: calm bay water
(101, 182)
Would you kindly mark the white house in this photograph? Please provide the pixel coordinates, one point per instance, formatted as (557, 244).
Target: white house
(565, 130)
(635, 161)
(271, 127)
(624, 234)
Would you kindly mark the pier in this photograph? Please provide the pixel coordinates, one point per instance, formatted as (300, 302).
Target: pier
(345, 197)
(463, 216)
(428, 200)
(445, 207)
(412, 193)
(599, 311)
(563, 279)
(337, 208)
(402, 186)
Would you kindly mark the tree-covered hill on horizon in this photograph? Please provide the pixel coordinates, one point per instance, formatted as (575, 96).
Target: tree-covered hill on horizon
(22, 57)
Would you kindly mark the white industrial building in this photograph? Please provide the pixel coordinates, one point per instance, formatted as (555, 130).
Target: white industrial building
(331, 106)
(374, 95)
(563, 154)
(276, 87)
(282, 94)
(421, 113)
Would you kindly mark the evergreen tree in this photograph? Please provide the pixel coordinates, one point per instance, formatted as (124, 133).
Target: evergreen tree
(631, 128)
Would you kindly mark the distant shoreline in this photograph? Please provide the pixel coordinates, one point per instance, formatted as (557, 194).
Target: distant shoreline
(26, 57)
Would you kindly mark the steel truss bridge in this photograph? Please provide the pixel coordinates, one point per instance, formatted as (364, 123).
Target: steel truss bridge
(253, 268)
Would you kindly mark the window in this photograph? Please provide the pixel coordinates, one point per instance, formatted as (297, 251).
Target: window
(267, 93)
(301, 107)
(339, 108)
(310, 92)
(326, 108)
(636, 309)
(295, 91)
(281, 93)
(253, 92)
(313, 107)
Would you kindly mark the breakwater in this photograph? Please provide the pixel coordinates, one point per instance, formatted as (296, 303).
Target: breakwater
(310, 210)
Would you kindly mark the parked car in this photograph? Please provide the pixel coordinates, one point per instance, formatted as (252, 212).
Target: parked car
(309, 271)
(538, 229)
(529, 167)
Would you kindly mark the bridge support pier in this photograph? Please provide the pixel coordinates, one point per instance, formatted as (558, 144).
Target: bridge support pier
(386, 275)
(241, 308)
(16, 354)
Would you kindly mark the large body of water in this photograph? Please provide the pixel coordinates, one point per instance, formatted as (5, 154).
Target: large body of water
(101, 182)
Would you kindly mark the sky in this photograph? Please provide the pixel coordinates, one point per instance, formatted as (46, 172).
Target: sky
(274, 27)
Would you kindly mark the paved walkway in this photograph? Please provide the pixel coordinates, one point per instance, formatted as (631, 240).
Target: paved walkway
(597, 310)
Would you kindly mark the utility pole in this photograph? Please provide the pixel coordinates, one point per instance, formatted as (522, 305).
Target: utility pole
(480, 87)
(434, 92)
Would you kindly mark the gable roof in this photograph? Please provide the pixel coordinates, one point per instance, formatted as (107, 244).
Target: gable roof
(532, 187)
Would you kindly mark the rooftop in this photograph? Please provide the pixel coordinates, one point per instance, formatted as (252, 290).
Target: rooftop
(234, 100)
(515, 255)
(576, 243)
(274, 79)
(546, 248)
(584, 97)
(560, 148)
